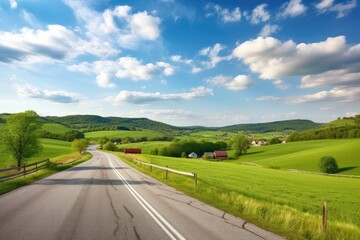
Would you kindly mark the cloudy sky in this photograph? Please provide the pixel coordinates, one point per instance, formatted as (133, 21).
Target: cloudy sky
(182, 62)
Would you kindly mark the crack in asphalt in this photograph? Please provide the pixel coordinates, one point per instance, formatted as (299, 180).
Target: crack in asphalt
(115, 213)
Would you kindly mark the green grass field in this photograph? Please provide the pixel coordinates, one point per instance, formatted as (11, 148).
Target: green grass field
(120, 134)
(52, 148)
(285, 202)
(146, 147)
(306, 155)
(55, 128)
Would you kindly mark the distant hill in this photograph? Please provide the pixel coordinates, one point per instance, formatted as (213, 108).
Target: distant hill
(89, 123)
(278, 126)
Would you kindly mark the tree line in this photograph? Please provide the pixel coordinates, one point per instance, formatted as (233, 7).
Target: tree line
(66, 136)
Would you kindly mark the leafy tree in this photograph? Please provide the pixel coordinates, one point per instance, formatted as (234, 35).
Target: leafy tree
(102, 141)
(183, 155)
(328, 164)
(20, 136)
(110, 146)
(275, 140)
(80, 145)
(240, 143)
(357, 119)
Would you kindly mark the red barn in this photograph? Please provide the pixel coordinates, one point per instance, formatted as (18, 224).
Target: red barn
(132, 151)
(220, 155)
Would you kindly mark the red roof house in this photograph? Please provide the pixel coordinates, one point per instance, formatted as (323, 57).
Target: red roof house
(132, 150)
(220, 155)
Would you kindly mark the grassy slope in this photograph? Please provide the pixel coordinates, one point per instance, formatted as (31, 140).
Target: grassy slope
(340, 122)
(55, 128)
(146, 147)
(121, 134)
(51, 149)
(305, 155)
(231, 187)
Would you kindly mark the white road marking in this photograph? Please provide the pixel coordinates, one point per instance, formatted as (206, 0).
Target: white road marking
(160, 220)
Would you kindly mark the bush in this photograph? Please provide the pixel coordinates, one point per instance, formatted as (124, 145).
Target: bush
(110, 146)
(275, 140)
(328, 164)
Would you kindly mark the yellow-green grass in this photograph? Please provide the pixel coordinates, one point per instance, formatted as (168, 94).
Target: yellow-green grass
(284, 202)
(339, 122)
(51, 148)
(55, 128)
(306, 155)
(122, 134)
(146, 147)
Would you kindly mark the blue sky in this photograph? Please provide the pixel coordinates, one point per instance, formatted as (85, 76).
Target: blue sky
(210, 63)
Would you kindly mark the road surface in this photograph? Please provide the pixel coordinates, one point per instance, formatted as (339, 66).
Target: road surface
(104, 198)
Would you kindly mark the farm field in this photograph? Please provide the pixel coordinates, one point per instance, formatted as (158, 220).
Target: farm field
(305, 155)
(52, 148)
(55, 128)
(295, 198)
(146, 147)
(120, 134)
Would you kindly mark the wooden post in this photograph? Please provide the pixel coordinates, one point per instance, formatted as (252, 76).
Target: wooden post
(150, 167)
(324, 219)
(24, 170)
(195, 179)
(166, 172)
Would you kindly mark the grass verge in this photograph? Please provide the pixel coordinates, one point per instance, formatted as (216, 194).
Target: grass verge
(10, 185)
(285, 220)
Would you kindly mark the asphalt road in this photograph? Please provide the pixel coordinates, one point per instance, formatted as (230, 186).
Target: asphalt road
(104, 198)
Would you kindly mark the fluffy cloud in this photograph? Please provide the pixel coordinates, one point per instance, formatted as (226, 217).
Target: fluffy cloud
(268, 30)
(292, 8)
(143, 97)
(314, 62)
(55, 43)
(123, 68)
(28, 91)
(342, 9)
(13, 4)
(179, 59)
(259, 14)
(225, 14)
(339, 94)
(213, 54)
(117, 26)
(268, 98)
(240, 82)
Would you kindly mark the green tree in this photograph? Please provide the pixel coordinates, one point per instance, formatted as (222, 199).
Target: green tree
(20, 136)
(240, 143)
(80, 145)
(183, 155)
(275, 140)
(357, 119)
(102, 141)
(110, 146)
(328, 164)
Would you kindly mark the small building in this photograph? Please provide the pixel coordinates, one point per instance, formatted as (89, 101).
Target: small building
(220, 155)
(132, 150)
(193, 155)
(208, 155)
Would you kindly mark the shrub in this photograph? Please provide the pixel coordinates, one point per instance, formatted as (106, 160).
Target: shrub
(183, 155)
(110, 146)
(328, 164)
(275, 140)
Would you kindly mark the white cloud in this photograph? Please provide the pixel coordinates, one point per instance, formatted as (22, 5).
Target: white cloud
(28, 91)
(213, 54)
(13, 4)
(55, 43)
(268, 30)
(315, 62)
(179, 59)
(292, 8)
(338, 94)
(123, 68)
(225, 14)
(143, 97)
(259, 14)
(342, 9)
(268, 98)
(118, 26)
(195, 69)
(240, 82)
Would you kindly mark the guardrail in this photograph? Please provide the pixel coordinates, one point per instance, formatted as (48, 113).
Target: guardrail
(26, 169)
(190, 174)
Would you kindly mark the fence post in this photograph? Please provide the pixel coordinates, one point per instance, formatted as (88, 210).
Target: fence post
(47, 163)
(151, 167)
(166, 172)
(324, 219)
(195, 179)
(24, 170)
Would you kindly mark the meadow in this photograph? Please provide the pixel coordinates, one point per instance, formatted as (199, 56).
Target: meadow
(305, 155)
(51, 148)
(55, 128)
(122, 133)
(260, 194)
(146, 147)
